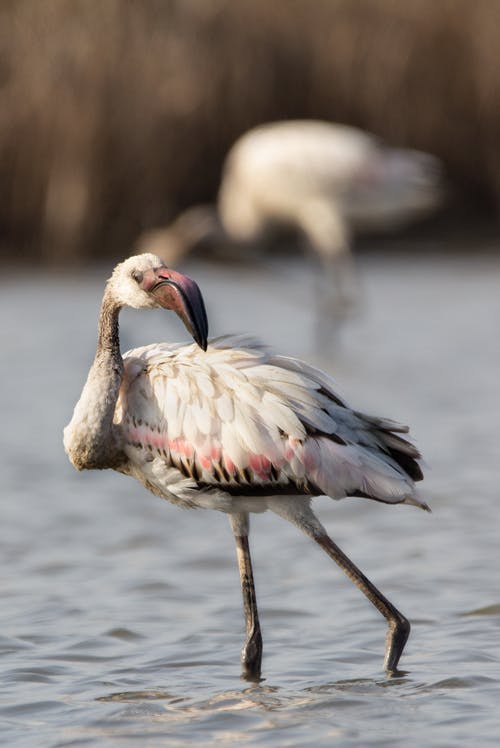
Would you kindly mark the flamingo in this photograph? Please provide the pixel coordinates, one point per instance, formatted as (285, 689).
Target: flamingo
(229, 425)
(324, 180)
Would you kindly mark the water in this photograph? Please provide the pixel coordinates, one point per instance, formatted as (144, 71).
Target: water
(121, 619)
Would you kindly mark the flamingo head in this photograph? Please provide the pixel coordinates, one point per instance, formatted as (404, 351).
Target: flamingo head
(144, 282)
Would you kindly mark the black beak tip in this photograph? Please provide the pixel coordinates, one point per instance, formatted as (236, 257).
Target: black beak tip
(193, 312)
(202, 326)
(200, 334)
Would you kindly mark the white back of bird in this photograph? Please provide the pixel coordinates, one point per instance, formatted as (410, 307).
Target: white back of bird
(272, 171)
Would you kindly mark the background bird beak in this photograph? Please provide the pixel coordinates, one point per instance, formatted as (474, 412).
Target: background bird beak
(175, 291)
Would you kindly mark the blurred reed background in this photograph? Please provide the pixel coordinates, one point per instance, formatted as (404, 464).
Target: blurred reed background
(117, 115)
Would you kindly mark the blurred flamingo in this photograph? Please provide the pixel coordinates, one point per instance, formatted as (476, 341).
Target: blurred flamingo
(323, 180)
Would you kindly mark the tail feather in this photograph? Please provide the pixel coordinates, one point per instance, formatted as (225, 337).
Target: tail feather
(403, 452)
(353, 470)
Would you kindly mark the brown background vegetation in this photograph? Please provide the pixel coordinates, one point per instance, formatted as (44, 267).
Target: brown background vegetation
(115, 115)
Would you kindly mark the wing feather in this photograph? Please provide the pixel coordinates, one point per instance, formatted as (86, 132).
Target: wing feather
(242, 418)
(224, 405)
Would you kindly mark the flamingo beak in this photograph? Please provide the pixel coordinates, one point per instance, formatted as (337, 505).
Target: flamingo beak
(175, 291)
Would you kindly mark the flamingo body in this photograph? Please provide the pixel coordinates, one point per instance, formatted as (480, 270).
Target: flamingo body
(226, 429)
(304, 171)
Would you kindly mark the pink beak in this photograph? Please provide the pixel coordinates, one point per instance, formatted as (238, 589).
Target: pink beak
(175, 291)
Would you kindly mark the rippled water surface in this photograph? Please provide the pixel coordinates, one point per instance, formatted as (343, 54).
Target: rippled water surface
(120, 615)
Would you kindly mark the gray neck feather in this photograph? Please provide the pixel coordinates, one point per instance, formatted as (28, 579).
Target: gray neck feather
(91, 440)
(108, 340)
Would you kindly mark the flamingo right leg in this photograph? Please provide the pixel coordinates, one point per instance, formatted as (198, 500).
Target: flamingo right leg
(299, 512)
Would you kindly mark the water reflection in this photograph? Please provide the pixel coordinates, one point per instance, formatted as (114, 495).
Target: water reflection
(122, 617)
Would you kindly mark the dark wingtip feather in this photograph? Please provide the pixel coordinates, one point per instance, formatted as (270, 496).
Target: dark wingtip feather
(408, 463)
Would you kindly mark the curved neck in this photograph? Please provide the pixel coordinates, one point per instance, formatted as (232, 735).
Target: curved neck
(91, 439)
(108, 339)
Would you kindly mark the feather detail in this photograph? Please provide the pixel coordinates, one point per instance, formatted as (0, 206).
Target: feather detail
(240, 419)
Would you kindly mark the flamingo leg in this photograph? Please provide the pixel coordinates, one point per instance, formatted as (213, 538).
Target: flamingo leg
(398, 626)
(251, 654)
(337, 297)
(337, 294)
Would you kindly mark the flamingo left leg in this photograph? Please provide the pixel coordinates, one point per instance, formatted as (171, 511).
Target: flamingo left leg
(251, 654)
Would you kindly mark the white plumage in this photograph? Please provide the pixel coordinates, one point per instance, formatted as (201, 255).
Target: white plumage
(239, 418)
(327, 179)
(234, 428)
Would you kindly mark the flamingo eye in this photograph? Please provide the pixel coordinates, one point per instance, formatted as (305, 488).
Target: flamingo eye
(138, 276)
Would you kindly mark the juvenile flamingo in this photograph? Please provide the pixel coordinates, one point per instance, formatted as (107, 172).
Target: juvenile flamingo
(228, 425)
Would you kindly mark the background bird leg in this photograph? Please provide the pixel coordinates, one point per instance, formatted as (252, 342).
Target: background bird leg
(251, 654)
(327, 238)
